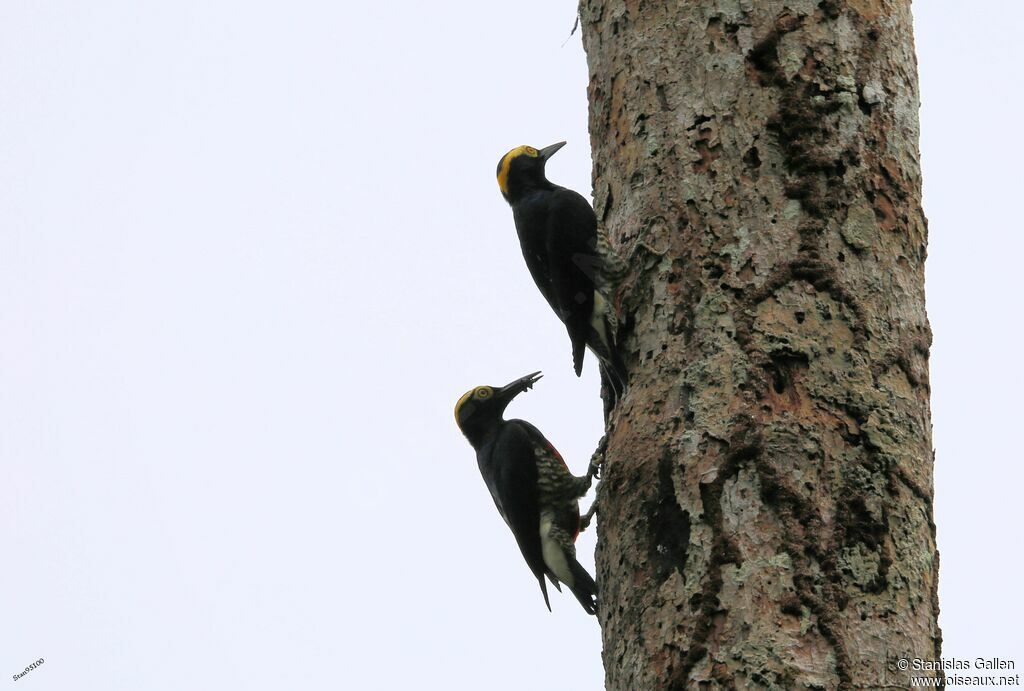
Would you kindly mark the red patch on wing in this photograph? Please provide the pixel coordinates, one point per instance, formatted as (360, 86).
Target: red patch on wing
(576, 532)
(557, 455)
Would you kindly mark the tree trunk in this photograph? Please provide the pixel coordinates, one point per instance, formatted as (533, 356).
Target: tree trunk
(766, 508)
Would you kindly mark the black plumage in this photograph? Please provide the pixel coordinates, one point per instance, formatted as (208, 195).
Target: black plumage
(558, 234)
(531, 486)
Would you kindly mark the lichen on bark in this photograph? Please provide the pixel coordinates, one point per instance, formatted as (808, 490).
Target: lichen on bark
(765, 518)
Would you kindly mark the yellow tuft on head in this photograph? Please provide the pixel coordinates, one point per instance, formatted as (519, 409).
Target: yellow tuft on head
(462, 401)
(480, 393)
(506, 162)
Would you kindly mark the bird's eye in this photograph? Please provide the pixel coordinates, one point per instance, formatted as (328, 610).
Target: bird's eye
(530, 151)
(483, 393)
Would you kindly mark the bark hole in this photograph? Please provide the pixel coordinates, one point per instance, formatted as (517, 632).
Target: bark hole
(669, 525)
(784, 366)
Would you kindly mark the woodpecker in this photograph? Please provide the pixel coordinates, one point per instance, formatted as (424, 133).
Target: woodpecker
(557, 231)
(531, 486)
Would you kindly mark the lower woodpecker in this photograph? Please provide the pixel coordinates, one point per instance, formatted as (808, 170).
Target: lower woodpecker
(531, 486)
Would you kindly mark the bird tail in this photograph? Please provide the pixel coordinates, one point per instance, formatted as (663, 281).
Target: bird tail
(544, 589)
(578, 349)
(583, 587)
(614, 373)
(613, 370)
(602, 340)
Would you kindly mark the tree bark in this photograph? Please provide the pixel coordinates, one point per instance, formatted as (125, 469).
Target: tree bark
(765, 518)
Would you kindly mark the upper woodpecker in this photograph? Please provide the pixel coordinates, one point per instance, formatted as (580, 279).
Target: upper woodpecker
(557, 231)
(531, 486)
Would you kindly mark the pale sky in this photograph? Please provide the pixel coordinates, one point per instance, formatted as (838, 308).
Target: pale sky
(250, 256)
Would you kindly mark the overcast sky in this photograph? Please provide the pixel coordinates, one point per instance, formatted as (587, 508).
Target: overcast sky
(250, 256)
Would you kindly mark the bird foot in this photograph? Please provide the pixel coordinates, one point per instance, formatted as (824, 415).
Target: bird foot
(597, 458)
(586, 518)
(596, 461)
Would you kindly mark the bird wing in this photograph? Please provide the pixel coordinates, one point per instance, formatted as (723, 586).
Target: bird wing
(574, 264)
(529, 215)
(542, 447)
(511, 475)
(560, 517)
(557, 481)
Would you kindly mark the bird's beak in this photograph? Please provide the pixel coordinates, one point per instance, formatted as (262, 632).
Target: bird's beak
(549, 151)
(507, 393)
